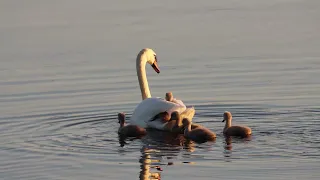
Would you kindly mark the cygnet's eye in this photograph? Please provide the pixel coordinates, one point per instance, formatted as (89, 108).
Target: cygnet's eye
(155, 57)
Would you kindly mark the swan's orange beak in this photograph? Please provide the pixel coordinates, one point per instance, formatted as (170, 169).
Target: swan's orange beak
(156, 67)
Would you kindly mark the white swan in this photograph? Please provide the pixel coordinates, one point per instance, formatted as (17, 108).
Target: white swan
(150, 107)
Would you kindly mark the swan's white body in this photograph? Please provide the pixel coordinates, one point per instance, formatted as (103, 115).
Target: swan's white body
(149, 107)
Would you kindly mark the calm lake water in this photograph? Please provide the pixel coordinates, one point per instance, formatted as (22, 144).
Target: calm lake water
(68, 67)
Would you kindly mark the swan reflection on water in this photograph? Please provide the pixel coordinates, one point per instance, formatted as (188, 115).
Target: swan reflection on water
(157, 146)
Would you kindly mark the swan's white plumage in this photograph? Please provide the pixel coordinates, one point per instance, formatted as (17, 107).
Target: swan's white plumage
(150, 107)
(178, 101)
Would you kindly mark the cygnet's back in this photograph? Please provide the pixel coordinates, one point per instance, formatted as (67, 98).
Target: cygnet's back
(200, 134)
(129, 130)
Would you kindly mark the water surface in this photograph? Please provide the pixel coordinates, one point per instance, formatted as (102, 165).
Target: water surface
(68, 67)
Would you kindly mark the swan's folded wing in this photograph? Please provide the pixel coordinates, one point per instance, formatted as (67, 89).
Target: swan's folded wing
(178, 101)
(150, 107)
(180, 107)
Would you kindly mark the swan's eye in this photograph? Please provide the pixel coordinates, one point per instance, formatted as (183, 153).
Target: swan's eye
(155, 57)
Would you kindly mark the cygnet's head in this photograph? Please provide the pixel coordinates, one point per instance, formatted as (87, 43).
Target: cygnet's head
(121, 117)
(227, 116)
(151, 57)
(169, 96)
(186, 122)
(175, 115)
(166, 116)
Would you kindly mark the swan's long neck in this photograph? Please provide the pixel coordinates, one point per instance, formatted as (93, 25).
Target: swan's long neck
(142, 76)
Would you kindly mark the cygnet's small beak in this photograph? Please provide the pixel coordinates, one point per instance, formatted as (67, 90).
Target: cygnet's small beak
(156, 67)
(223, 120)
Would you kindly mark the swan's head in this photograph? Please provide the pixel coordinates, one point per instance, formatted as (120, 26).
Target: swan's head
(169, 96)
(151, 57)
(227, 116)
